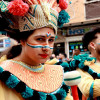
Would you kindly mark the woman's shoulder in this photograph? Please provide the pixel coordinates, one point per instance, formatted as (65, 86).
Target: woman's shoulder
(5, 63)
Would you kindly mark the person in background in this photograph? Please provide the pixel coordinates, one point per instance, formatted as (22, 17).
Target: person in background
(57, 56)
(75, 52)
(52, 56)
(52, 60)
(89, 67)
(63, 57)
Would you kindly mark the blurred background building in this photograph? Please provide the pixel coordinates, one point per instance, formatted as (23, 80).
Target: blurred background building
(85, 16)
(6, 42)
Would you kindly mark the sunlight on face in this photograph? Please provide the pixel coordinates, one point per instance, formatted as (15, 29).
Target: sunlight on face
(39, 46)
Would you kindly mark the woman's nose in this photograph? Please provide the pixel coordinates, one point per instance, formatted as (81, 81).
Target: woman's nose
(46, 48)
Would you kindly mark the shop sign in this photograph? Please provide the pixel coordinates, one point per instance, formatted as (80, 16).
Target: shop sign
(78, 31)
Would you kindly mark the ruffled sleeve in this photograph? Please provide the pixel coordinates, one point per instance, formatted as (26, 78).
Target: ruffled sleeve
(2, 97)
(8, 94)
(86, 82)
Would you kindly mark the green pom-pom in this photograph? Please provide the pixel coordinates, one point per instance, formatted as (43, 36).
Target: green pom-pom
(63, 18)
(28, 93)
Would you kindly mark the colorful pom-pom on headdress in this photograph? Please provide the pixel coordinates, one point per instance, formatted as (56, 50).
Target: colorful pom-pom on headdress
(18, 7)
(26, 15)
(63, 4)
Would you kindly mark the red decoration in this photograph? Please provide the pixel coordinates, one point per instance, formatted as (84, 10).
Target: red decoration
(63, 4)
(18, 7)
(75, 92)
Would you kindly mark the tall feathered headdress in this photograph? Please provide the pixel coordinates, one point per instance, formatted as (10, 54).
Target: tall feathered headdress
(26, 15)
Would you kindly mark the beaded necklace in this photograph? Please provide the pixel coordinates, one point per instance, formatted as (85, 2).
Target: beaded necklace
(39, 68)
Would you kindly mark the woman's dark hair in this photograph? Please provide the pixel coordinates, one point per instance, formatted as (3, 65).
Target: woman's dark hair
(89, 36)
(13, 33)
(12, 51)
(17, 35)
(15, 50)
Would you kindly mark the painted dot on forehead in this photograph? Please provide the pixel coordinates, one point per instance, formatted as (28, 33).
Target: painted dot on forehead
(48, 35)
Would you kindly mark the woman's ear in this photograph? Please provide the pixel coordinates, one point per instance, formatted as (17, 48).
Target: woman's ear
(22, 42)
(92, 45)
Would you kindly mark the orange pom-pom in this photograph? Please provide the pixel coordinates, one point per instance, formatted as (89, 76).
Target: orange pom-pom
(18, 7)
(63, 4)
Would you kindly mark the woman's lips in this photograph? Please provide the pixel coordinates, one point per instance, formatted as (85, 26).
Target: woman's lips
(44, 55)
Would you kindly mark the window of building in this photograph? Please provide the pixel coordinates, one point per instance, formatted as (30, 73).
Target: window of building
(92, 0)
(92, 9)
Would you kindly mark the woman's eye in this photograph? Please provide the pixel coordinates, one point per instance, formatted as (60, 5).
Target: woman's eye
(51, 40)
(40, 39)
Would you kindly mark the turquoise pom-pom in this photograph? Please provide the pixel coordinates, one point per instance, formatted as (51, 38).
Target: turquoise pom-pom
(65, 64)
(91, 58)
(42, 96)
(1, 69)
(28, 93)
(72, 64)
(12, 81)
(53, 97)
(98, 75)
(81, 65)
(63, 18)
(76, 57)
(90, 71)
(63, 93)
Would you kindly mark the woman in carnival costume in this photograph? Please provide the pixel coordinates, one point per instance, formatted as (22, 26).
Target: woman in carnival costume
(33, 23)
(89, 66)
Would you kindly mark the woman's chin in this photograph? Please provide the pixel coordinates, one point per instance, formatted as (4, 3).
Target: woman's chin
(43, 61)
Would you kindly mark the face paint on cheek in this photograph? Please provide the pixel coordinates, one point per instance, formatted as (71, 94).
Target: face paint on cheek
(48, 35)
(38, 46)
